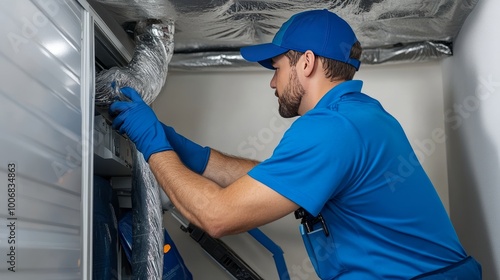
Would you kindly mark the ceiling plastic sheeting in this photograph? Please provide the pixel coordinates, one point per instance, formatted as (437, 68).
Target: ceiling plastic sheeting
(210, 33)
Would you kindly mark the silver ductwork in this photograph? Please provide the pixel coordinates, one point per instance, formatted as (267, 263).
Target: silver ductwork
(210, 33)
(147, 71)
(422, 51)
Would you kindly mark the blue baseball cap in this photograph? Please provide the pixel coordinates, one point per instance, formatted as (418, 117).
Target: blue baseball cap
(321, 31)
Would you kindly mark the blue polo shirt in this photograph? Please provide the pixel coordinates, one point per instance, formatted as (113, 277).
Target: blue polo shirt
(351, 161)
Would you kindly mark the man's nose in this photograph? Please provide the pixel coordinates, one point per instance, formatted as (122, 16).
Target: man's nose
(273, 81)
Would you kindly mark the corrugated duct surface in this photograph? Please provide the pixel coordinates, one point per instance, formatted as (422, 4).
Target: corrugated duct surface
(146, 73)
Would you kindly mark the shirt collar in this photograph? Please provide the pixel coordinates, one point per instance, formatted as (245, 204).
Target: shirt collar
(338, 91)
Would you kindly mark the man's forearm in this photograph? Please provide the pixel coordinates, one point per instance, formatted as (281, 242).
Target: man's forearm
(225, 169)
(202, 201)
(194, 196)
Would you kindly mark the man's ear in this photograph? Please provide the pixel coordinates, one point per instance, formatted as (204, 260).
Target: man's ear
(309, 63)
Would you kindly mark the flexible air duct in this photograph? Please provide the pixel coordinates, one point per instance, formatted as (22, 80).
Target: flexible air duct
(146, 73)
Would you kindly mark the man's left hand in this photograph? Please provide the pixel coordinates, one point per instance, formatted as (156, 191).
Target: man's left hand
(139, 122)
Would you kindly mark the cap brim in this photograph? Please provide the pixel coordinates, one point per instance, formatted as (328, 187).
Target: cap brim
(262, 53)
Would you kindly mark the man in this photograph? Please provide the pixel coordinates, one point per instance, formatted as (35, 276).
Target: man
(336, 167)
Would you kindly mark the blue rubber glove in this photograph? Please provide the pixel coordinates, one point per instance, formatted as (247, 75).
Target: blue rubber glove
(139, 122)
(194, 156)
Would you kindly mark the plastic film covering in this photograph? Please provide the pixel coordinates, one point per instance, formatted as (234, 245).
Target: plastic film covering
(147, 222)
(148, 68)
(210, 33)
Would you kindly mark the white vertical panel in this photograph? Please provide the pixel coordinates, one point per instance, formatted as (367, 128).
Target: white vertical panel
(472, 103)
(41, 134)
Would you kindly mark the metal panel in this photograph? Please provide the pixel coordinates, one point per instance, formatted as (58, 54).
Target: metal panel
(42, 140)
(87, 88)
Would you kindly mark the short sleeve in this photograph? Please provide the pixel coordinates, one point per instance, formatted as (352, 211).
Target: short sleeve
(313, 161)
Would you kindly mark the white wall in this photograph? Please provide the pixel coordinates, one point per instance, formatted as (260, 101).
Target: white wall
(472, 105)
(236, 112)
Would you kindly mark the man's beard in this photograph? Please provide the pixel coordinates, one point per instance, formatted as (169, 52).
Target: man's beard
(289, 100)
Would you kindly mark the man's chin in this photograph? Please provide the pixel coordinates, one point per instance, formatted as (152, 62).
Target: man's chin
(286, 114)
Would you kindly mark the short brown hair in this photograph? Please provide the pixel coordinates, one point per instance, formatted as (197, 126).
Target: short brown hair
(334, 69)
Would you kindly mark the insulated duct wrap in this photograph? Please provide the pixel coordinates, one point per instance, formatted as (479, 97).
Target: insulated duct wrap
(423, 51)
(146, 73)
(147, 222)
(148, 68)
(210, 33)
